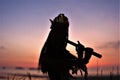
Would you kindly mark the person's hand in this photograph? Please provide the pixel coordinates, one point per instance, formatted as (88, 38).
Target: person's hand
(80, 47)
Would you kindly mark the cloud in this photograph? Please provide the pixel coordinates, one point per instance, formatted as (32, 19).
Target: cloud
(2, 48)
(115, 45)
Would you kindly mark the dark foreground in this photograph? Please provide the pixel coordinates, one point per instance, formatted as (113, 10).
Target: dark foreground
(35, 77)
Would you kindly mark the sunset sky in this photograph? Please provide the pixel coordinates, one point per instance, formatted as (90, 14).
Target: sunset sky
(24, 27)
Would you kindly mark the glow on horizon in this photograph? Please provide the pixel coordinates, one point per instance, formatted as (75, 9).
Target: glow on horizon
(25, 25)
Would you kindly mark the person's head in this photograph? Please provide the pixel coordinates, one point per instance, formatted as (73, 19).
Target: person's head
(60, 20)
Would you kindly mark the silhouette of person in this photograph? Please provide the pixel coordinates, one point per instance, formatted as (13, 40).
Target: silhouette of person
(54, 57)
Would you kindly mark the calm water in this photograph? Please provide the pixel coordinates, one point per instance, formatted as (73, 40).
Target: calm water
(21, 74)
(26, 74)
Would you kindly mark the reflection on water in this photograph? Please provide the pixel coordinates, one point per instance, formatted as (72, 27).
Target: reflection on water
(34, 74)
(21, 74)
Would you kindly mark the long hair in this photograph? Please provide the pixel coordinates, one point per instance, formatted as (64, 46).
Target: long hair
(55, 43)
